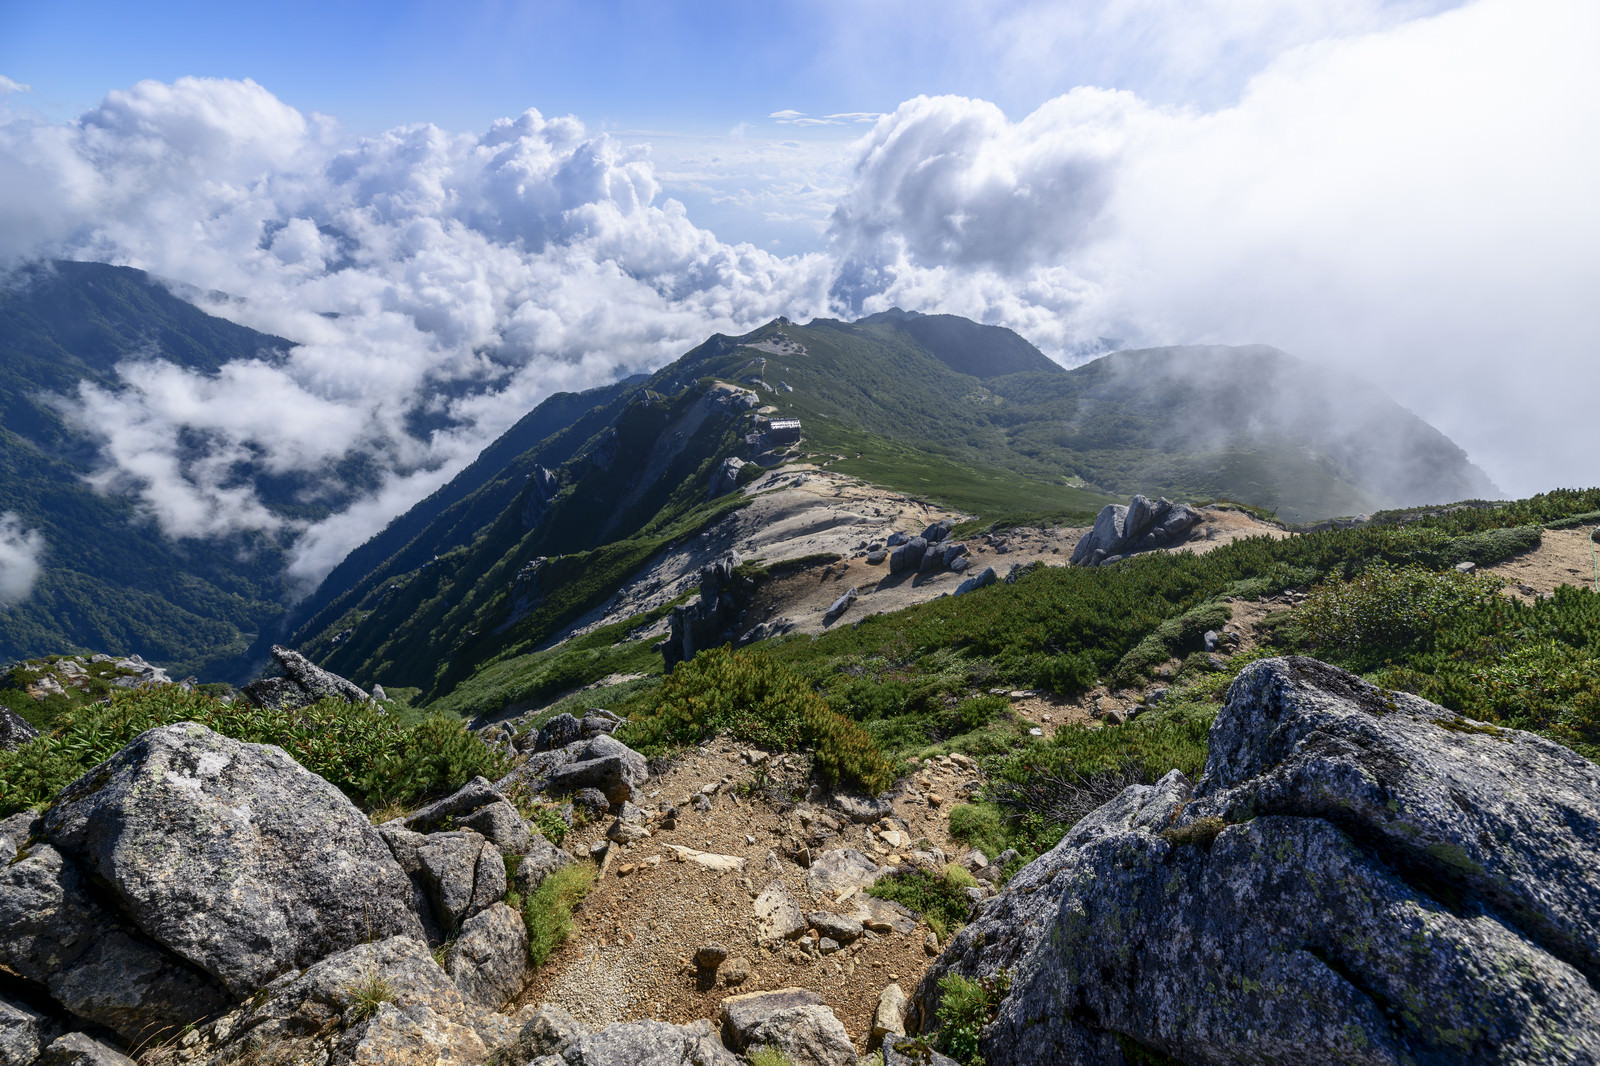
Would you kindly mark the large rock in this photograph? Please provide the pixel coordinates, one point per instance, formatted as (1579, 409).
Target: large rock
(58, 936)
(1142, 525)
(489, 960)
(231, 855)
(908, 557)
(645, 1043)
(302, 684)
(81, 1049)
(24, 1032)
(382, 1002)
(778, 914)
(607, 764)
(793, 1021)
(14, 730)
(477, 805)
(983, 579)
(1360, 876)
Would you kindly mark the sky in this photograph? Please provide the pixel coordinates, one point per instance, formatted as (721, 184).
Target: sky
(458, 209)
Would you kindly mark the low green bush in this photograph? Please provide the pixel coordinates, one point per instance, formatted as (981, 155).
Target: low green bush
(978, 825)
(758, 701)
(940, 898)
(369, 755)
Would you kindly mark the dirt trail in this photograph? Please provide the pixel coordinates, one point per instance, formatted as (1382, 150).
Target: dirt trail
(1563, 557)
(631, 954)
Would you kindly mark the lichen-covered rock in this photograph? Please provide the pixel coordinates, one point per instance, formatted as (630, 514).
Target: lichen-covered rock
(57, 935)
(778, 914)
(230, 855)
(14, 730)
(24, 1032)
(81, 1049)
(479, 806)
(793, 1021)
(1360, 876)
(302, 684)
(1140, 526)
(489, 960)
(647, 1043)
(607, 764)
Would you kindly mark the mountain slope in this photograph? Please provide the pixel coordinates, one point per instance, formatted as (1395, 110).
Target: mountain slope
(518, 554)
(110, 579)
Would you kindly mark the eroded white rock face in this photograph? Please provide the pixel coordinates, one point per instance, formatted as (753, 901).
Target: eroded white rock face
(1365, 872)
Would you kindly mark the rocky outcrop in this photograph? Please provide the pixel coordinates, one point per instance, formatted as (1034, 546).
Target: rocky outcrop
(229, 855)
(1143, 525)
(302, 684)
(14, 730)
(1359, 876)
(606, 764)
(711, 620)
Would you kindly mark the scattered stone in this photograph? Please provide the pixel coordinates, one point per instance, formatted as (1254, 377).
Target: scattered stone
(778, 914)
(711, 955)
(707, 859)
(736, 972)
(794, 1021)
(890, 1018)
(841, 870)
(841, 928)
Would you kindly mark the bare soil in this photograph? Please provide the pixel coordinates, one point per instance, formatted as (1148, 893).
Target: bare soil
(632, 953)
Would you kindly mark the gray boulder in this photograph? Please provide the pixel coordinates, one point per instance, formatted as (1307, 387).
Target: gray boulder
(607, 764)
(840, 927)
(81, 1049)
(386, 1001)
(14, 730)
(548, 1032)
(24, 1032)
(908, 557)
(58, 937)
(231, 855)
(862, 809)
(1140, 526)
(540, 861)
(982, 579)
(1361, 876)
(558, 732)
(479, 806)
(489, 960)
(840, 869)
(794, 1021)
(646, 1043)
(303, 683)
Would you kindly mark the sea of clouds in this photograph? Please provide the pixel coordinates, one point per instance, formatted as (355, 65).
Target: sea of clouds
(1415, 205)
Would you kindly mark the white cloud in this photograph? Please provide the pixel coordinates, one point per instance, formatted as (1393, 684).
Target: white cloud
(420, 271)
(21, 550)
(9, 85)
(1413, 205)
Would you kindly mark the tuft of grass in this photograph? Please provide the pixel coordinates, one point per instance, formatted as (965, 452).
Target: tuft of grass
(547, 910)
(369, 992)
(978, 825)
(767, 1055)
(965, 1007)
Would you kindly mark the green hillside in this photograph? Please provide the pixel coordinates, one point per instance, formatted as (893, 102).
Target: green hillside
(111, 580)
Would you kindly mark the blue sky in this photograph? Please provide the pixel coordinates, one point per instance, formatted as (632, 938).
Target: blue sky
(519, 198)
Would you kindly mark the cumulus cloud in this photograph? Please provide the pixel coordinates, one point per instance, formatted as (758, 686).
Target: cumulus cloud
(21, 550)
(429, 279)
(1410, 205)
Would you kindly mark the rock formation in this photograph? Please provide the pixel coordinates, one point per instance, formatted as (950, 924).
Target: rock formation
(710, 620)
(302, 684)
(1141, 526)
(1358, 876)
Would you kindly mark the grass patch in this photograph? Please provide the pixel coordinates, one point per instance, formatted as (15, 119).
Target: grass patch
(369, 992)
(547, 910)
(978, 825)
(940, 898)
(965, 1007)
